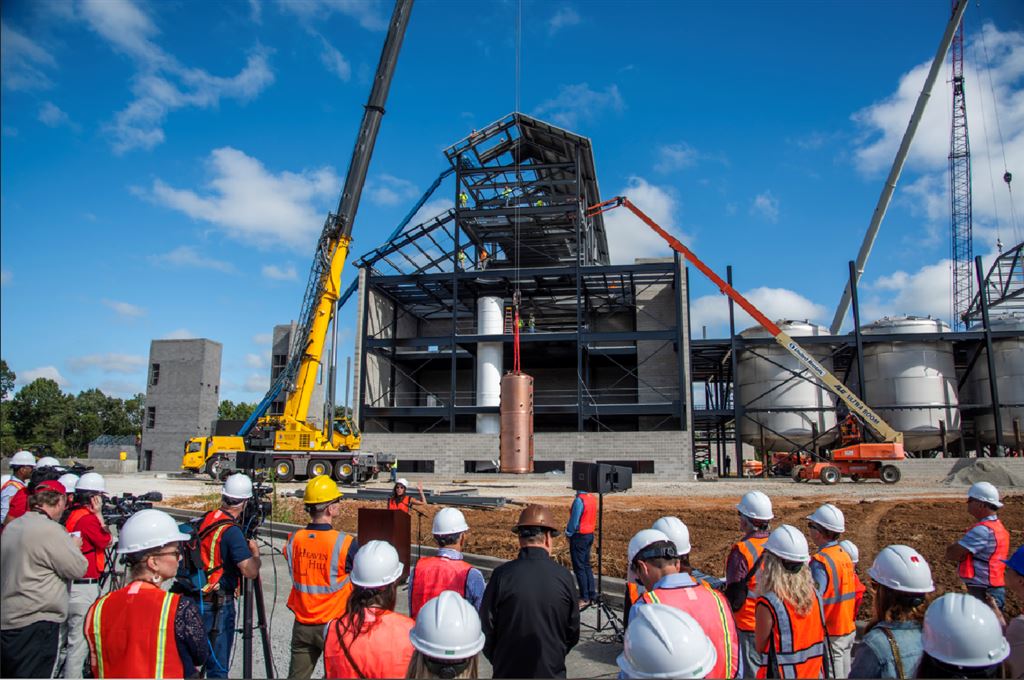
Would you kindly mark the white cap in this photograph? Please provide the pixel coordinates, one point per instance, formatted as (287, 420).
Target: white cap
(403, 481)
(962, 630)
(789, 544)
(851, 549)
(665, 642)
(756, 505)
(447, 628)
(22, 459)
(69, 481)
(48, 461)
(92, 481)
(449, 521)
(237, 486)
(902, 568)
(148, 529)
(829, 517)
(676, 531)
(376, 565)
(986, 493)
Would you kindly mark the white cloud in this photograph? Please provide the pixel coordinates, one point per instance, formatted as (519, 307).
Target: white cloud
(263, 338)
(121, 388)
(579, 103)
(766, 206)
(256, 11)
(251, 203)
(335, 61)
(125, 309)
(187, 256)
(23, 62)
(628, 237)
(107, 363)
(180, 334)
(564, 17)
(925, 292)
(676, 157)
(257, 360)
(52, 116)
(775, 303)
(48, 372)
(6, 276)
(390, 190)
(287, 273)
(256, 383)
(370, 15)
(430, 209)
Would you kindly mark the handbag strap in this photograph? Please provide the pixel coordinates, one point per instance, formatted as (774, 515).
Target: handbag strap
(895, 651)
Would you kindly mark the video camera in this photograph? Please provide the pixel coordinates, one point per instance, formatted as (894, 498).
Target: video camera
(117, 509)
(257, 509)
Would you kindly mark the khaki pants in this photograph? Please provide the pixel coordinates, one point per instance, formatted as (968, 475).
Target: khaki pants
(82, 597)
(750, 658)
(842, 647)
(307, 647)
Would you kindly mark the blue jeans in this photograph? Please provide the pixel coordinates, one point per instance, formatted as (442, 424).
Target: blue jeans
(220, 663)
(579, 550)
(997, 594)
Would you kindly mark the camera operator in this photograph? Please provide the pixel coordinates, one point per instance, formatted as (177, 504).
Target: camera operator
(86, 517)
(227, 556)
(46, 468)
(37, 558)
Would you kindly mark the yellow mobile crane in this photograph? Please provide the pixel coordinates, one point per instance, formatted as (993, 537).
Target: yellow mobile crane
(298, 448)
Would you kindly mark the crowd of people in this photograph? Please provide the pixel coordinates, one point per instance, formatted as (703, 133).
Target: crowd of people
(786, 608)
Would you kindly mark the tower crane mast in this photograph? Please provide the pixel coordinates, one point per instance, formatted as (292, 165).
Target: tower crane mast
(962, 241)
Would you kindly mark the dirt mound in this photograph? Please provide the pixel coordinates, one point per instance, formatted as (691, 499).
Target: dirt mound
(971, 470)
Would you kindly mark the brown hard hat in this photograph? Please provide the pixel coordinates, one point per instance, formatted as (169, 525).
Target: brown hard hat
(535, 515)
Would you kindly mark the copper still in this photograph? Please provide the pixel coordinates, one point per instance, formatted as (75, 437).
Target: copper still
(516, 449)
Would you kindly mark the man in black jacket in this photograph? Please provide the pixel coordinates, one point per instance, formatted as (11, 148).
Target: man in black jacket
(530, 611)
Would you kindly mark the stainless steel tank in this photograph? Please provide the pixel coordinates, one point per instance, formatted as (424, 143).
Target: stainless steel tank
(911, 384)
(516, 448)
(1008, 357)
(782, 404)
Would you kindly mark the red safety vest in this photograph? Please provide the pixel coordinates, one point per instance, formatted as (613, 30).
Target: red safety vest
(19, 504)
(712, 612)
(434, 575)
(382, 649)
(320, 584)
(402, 503)
(990, 568)
(798, 642)
(840, 597)
(98, 557)
(750, 548)
(860, 589)
(209, 546)
(13, 481)
(131, 634)
(588, 520)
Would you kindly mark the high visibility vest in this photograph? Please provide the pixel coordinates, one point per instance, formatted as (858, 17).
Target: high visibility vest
(433, 576)
(402, 503)
(633, 592)
(859, 589)
(87, 549)
(13, 481)
(988, 569)
(320, 584)
(131, 634)
(381, 650)
(209, 546)
(712, 612)
(797, 642)
(751, 549)
(840, 597)
(588, 520)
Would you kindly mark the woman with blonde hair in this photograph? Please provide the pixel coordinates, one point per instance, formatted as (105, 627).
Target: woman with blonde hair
(447, 639)
(789, 627)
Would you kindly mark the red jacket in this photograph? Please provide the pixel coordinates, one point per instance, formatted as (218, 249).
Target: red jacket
(95, 538)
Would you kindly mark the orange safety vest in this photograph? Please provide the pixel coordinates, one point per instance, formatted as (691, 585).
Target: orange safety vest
(992, 568)
(402, 504)
(751, 549)
(73, 519)
(209, 546)
(434, 575)
(797, 643)
(131, 634)
(320, 584)
(859, 589)
(588, 520)
(382, 649)
(840, 597)
(712, 612)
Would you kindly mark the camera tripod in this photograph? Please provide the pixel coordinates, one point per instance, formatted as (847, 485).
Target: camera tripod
(252, 590)
(610, 621)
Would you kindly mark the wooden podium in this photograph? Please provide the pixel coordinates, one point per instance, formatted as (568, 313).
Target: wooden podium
(387, 525)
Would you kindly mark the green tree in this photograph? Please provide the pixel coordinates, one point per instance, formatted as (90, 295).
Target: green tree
(133, 410)
(40, 415)
(7, 378)
(8, 442)
(229, 410)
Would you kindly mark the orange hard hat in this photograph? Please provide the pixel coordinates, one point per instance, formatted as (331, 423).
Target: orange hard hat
(535, 515)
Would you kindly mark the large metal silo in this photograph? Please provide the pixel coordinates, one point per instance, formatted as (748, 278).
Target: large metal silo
(1008, 357)
(785, 410)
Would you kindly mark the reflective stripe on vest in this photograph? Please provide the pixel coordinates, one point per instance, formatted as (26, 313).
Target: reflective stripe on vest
(588, 519)
(840, 596)
(73, 519)
(798, 641)
(709, 609)
(402, 504)
(750, 548)
(987, 568)
(123, 641)
(336, 581)
(432, 576)
(13, 481)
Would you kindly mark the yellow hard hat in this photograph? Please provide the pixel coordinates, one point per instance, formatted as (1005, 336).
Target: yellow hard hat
(321, 489)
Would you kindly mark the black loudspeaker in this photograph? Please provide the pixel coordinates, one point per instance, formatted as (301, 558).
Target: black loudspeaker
(601, 477)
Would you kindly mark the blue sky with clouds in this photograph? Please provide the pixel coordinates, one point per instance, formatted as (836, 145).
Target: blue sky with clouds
(167, 166)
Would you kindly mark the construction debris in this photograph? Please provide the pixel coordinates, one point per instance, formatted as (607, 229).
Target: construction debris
(970, 470)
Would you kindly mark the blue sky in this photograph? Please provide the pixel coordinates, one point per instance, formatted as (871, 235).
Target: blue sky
(166, 166)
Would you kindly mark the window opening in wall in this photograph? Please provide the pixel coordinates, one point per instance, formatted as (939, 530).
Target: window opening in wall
(150, 417)
(639, 467)
(479, 466)
(425, 466)
(154, 374)
(542, 466)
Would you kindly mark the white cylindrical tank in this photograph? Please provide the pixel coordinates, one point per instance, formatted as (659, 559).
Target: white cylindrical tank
(912, 384)
(1008, 356)
(776, 400)
(489, 360)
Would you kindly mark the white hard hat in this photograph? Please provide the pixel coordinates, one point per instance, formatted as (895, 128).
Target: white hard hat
(237, 486)
(48, 461)
(22, 459)
(829, 517)
(447, 628)
(92, 481)
(902, 568)
(986, 493)
(676, 531)
(376, 565)
(69, 481)
(641, 540)
(403, 481)
(148, 529)
(665, 642)
(789, 544)
(851, 549)
(756, 505)
(962, 630)
(449, 521)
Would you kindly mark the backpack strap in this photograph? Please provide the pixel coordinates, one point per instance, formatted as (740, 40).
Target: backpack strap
(895, 651)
